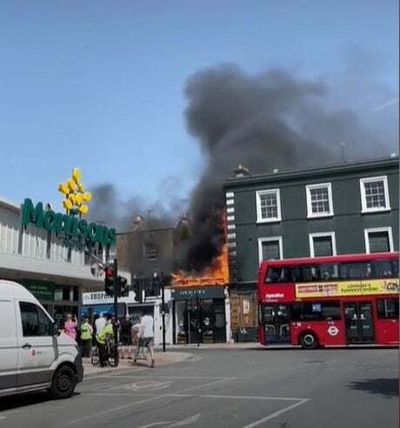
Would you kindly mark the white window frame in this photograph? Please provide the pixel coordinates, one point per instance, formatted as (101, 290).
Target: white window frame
(364, 208)
(269, 239)
(278, 205)
(378, 229)
(310, 187)
(311, 237)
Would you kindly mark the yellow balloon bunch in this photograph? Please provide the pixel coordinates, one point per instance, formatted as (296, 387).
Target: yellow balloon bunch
(75, 196)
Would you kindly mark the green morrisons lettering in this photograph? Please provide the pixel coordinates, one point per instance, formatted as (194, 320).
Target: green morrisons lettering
(68, 225)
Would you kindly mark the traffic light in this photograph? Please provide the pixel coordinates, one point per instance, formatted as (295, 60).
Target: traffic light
(123, 287)
(109, 281)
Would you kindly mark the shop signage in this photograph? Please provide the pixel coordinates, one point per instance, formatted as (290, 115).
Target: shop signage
(41, 290)
(348, 288)
(100, 297)
(201, 292)
(74, 231)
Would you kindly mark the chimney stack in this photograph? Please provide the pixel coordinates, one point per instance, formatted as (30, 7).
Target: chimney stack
(241, 171)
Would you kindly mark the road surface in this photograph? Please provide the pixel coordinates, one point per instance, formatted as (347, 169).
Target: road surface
(230, 388)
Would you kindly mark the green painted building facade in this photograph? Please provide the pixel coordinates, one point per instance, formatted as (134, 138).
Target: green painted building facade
(342, 209)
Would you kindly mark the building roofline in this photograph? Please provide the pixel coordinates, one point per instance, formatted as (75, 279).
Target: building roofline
(313, 171)
(10, 205)
(132, 232)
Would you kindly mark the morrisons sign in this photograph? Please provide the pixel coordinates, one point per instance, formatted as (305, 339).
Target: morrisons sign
(75, 232)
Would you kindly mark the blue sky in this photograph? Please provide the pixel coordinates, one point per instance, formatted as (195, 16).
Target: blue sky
(100, 84)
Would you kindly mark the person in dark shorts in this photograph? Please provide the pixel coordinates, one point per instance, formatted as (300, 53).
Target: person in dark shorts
(126, 335)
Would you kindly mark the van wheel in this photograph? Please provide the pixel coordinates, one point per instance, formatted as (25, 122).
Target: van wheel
(64, 382)
(309, 341)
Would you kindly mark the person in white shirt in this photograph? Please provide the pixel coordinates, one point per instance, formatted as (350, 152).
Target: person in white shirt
(146, 336)
(100, 323)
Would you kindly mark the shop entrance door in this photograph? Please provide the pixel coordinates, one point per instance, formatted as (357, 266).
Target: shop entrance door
(212, 321)
(204, 321)
(359, 322)
(276, 323)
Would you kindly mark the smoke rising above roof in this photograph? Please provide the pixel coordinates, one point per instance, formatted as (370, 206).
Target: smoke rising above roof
(274, 120)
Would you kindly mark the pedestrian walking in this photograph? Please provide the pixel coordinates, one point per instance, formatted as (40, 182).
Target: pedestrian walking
(86, 338)
(70, 326)
(125, 334)
(146, 337)
(136, 341)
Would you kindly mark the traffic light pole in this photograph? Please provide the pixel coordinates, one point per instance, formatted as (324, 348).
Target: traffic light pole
(116, 357)
(163, 312)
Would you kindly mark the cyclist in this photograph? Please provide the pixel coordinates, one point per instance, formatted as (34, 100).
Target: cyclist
(101, 338)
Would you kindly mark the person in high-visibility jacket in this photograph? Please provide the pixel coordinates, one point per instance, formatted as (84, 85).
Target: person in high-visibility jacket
(86, 331)
(101, 338)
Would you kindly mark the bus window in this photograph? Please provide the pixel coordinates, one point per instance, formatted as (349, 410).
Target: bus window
(320, 311)
(273, 275)
(330, 311)
(329, 271)
(268, 313)
(355, 270)
(306, 311)
(276, 275)
(388, 308)
(396, 268)
(295, 274)
(384, 268)
(311, 273)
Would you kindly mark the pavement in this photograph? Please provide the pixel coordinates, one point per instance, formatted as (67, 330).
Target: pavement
(174, 354)
(161, 359)
(236, 388)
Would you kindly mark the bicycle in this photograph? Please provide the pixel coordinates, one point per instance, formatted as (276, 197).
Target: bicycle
(110, 354)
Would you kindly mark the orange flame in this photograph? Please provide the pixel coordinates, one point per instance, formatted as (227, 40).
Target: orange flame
(216, 274)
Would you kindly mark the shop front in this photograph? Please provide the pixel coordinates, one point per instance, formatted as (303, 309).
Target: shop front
(57, 299)
(54, 264)
(199, 315)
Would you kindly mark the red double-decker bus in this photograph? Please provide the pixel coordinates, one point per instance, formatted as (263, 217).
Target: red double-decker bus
(330, 301)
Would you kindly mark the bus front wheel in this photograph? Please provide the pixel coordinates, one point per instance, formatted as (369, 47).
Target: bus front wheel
(309, 341)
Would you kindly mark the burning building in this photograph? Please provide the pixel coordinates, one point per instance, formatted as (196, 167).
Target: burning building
(196, 302)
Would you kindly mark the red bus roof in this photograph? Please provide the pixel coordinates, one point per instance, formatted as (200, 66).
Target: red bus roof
(331, 259)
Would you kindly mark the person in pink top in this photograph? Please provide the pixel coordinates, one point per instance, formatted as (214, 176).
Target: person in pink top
(70, 326)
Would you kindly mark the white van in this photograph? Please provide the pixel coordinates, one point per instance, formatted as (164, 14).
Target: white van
(32, 355)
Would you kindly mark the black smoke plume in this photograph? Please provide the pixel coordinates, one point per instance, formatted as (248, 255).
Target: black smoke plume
(273, 120)
(270, 121)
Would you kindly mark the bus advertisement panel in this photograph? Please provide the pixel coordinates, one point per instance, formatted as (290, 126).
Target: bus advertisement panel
(330, 301)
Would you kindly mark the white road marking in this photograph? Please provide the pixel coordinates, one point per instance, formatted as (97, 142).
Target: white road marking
(277, 413)
(126, 385)
(148, 385)
(238, 397)
(187, 421)
(157, 397)
(159, 377)
(122, 393)
(154, 424)
(216, 382)
(114, 409)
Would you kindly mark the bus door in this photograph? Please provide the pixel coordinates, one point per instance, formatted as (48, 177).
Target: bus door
(276, 323)
(359, 322)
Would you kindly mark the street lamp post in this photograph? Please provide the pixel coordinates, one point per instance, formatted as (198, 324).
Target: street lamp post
(116, 356)
(159, 281)
(163, 310)
(198, 321)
